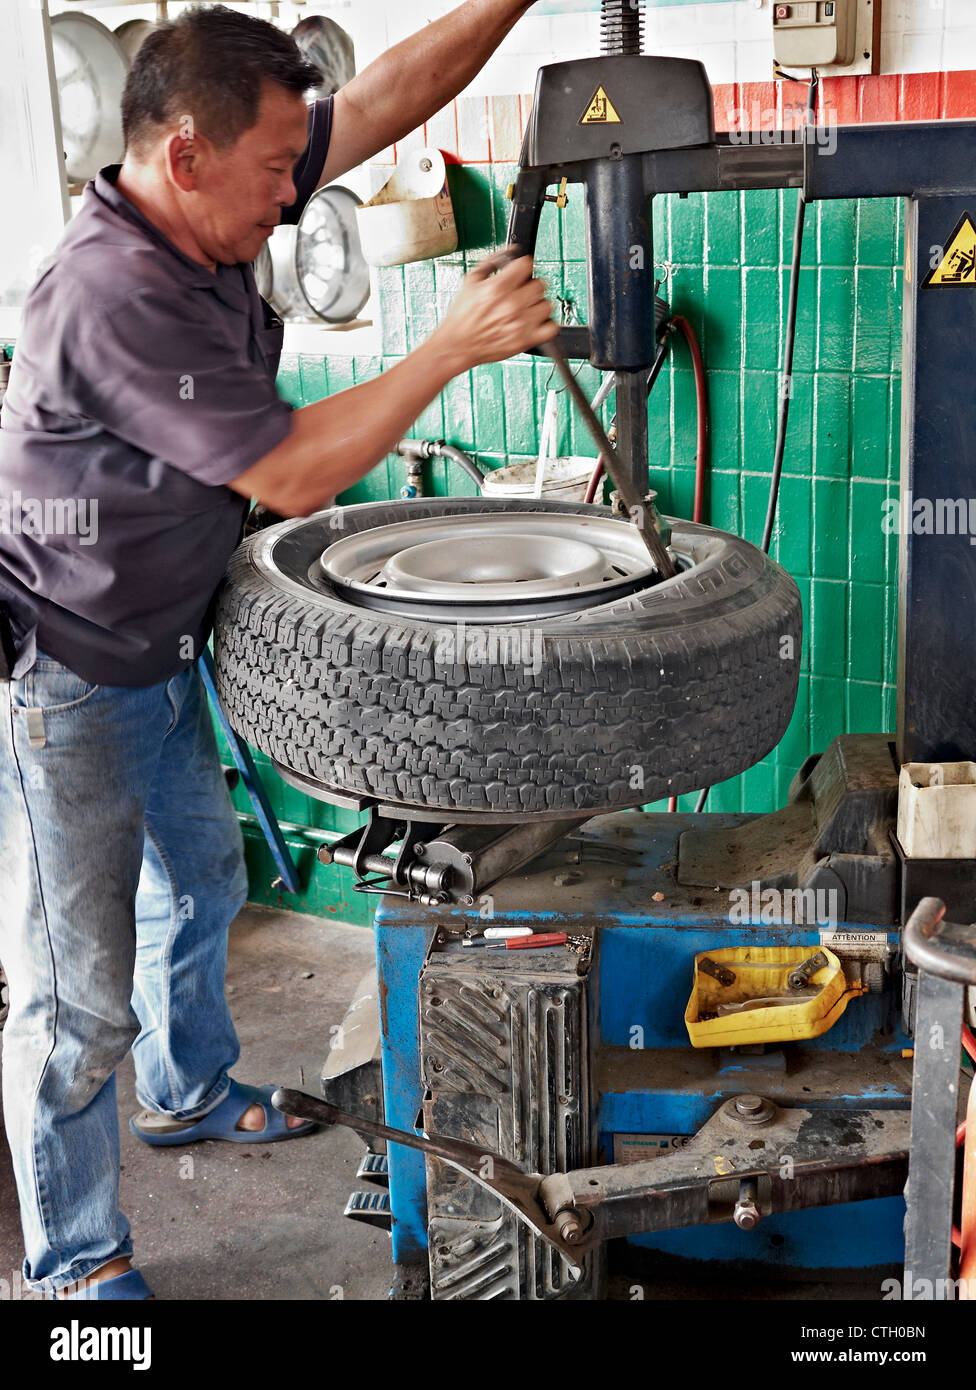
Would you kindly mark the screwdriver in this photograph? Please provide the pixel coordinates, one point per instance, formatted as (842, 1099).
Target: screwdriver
(524, 943)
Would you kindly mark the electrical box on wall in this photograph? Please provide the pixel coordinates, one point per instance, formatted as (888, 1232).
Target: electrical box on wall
(830, 35)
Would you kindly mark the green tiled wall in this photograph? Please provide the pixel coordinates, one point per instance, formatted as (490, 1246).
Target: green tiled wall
(728, 257)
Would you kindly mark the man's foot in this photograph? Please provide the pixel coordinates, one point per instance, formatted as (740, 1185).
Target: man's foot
(244, 1116)
(120, 1265)
(253, 1119)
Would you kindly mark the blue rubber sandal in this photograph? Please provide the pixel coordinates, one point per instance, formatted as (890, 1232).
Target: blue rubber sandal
(129, 1285)
(221, 1122)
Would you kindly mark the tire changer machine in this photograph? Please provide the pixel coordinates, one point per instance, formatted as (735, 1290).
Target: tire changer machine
(539, 1104)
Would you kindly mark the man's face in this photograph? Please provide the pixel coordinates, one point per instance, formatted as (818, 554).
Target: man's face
(239, 191)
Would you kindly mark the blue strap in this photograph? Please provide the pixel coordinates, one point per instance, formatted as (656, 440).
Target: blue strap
(129, 1285)
(253, 784)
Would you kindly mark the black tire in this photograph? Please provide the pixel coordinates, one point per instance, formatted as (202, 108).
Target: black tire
(674, 688)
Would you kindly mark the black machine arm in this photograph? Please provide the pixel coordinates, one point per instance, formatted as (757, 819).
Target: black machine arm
(592, 122)
(626, 126)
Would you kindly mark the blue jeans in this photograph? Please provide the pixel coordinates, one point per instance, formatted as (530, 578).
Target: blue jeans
(121, 869)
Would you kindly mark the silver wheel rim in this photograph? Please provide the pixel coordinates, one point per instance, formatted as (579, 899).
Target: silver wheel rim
(316, 270)
(90, 69)
(329, 259)
(506, 567)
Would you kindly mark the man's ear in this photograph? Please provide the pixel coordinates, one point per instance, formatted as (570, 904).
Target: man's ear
(184, 156)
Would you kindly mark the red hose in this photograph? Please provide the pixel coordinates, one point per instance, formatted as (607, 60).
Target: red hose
(594, 482)
(960, 1140)
(967, 1234)
(701, 397)
(969, 1179)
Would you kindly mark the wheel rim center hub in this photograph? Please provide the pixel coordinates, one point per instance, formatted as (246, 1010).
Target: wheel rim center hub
(492, 568)
(532, 563)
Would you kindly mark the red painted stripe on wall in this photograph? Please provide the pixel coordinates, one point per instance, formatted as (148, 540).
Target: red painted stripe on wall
(480, 130)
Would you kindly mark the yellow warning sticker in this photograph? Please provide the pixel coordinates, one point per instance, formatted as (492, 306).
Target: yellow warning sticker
(600, 111)
(956, 266)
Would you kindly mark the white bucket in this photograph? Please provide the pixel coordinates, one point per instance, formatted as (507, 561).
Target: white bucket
(411, 218)
(564, 479)
(937, 810)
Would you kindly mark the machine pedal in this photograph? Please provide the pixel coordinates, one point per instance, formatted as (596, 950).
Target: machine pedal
(372, 1207)
(374, 1168)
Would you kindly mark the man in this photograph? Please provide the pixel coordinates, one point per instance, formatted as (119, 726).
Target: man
(143, 388)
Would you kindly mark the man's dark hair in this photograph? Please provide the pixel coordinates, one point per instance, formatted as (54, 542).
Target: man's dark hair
(209, 64)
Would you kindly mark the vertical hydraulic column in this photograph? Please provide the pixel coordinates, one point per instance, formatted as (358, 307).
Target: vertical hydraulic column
(620, 254)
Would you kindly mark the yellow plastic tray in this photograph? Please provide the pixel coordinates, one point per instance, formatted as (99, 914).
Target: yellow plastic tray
(762, 972)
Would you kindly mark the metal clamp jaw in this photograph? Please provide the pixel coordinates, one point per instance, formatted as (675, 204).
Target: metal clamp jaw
(439, 863)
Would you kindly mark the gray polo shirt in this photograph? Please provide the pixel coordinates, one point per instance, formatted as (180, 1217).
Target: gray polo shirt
(141, 384)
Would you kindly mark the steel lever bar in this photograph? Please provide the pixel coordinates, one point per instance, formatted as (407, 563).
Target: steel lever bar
(520, 1192)
(639, 510)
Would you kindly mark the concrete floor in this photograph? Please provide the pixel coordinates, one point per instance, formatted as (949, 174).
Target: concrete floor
(254, 1221)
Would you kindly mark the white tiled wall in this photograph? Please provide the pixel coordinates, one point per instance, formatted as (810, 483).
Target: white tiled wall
(732, 38)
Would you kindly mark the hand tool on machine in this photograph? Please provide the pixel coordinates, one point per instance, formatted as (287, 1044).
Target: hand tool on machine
(629, 503)
(720, 1175)
(534, 941)
(587, 129)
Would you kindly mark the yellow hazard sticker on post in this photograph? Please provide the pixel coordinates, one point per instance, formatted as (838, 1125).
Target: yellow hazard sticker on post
(955, 267)
(600, 111)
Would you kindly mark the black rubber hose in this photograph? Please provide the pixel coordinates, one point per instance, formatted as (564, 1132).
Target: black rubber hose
(786, 384)
(461, 459)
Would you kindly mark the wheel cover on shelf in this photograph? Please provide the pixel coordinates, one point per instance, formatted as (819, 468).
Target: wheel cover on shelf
(329, 48)
(317, 267)
(331, 267)
(132, 34)
(90, 69)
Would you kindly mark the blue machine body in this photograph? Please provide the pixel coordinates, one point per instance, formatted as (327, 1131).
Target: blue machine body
(642, 978)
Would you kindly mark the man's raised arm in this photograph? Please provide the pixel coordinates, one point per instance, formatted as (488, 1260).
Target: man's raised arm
(409, 83)
(334, 442)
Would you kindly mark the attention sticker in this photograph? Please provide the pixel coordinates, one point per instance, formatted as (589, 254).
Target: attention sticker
(958, 265)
